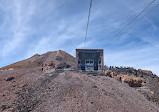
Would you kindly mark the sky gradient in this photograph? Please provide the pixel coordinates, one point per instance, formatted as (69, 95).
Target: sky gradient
(28, 27)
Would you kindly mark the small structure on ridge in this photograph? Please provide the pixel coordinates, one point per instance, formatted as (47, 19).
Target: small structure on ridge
(89, 60)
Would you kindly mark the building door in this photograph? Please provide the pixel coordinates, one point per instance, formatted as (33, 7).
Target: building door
(89, 65)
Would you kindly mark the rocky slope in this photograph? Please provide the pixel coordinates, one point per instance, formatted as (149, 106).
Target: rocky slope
(57, 57)
(68, 91)
(150, 89)
(26, 88)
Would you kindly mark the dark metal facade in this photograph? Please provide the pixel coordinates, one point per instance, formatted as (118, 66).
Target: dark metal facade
(89, 59)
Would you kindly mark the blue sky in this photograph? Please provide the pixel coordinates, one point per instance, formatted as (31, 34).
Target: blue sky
(28, 27)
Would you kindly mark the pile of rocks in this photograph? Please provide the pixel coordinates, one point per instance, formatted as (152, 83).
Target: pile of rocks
(130, 80)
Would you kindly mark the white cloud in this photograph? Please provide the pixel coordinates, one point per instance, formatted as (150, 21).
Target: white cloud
(18, 27)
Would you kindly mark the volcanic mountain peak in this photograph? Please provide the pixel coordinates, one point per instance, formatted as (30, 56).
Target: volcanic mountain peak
(36, 60)
(61, 53)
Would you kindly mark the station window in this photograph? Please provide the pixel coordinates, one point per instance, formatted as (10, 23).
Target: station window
(91, 62)
(87, 62)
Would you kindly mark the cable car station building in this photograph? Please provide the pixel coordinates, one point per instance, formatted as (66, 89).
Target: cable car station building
(89, 60)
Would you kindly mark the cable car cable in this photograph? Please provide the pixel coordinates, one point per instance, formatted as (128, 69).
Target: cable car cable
(135, 18)
(88, 22)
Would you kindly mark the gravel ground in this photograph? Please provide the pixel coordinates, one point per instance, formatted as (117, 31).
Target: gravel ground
(34, 91)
